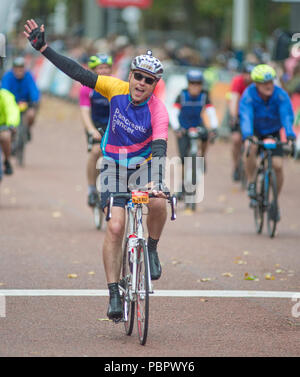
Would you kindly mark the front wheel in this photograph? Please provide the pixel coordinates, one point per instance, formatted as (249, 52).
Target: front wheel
(126, 283)
(259, 205)
(271, 202)
(142, 302)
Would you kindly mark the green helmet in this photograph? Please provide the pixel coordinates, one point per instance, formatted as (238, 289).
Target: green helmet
(263, 73)
(98, 59)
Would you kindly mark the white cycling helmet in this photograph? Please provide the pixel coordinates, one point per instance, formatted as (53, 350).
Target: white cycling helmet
(149, 64)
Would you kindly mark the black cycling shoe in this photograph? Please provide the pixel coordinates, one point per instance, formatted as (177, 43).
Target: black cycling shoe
(236, 176)
(115, 307)
(8, 170)
(252, 190)
(92, 199)
(155, 267)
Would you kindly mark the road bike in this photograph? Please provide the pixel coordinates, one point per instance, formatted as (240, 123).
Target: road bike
(135, 284)
(193, 168)
(266, 199)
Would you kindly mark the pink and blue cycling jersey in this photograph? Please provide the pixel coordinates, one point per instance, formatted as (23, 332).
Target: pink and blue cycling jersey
(131, 128)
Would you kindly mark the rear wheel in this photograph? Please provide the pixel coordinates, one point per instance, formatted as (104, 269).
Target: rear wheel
(259, 206)
(142, 302)
(126, 283)
(271, 201)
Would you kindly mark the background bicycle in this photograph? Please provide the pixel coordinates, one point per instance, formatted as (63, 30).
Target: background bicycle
(266, 200)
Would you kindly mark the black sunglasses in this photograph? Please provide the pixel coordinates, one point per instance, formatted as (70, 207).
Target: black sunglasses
(139, 77)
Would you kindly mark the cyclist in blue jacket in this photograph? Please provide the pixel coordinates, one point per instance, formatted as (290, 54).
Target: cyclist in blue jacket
(264, 109)
(21, 83)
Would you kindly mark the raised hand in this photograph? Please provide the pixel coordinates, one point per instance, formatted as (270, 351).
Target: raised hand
(35, 35)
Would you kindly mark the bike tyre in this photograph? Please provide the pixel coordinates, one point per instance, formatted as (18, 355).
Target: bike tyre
(128, 306)
(142, 300)
(271, 196)
(259, 208)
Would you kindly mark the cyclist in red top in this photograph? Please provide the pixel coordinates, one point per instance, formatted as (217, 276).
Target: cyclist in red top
(238, 85)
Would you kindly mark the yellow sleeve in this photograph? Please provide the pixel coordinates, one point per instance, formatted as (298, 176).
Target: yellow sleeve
(111, 86)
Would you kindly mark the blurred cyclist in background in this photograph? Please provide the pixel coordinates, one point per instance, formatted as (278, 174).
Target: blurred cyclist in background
(9, 120)
(187, 113)
(94, 109)
(238, 84)
(21, 83)
(264, 109)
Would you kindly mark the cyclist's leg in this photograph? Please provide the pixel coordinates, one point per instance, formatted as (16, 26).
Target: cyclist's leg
(250, 169)
(93, 157)
(250, 162)
(112, 246)
(236, 139)
(277, 163)
(5, 141)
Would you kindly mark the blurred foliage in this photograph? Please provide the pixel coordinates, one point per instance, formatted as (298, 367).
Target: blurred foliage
(195, 17)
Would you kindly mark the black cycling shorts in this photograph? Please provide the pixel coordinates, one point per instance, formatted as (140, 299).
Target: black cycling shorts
(184, 143)
(115, 178)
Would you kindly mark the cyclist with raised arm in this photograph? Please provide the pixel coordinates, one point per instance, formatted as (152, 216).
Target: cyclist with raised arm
(238, 85)
(187, 113)
(21, 83)
(136, 137)
(94, 110)
(264, 109)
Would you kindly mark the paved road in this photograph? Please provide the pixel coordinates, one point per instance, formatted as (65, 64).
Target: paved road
(47, 233)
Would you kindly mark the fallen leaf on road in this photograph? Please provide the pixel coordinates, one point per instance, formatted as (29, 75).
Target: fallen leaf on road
(176, 262)
(56, 214)
(203, 280)
(227, 274)
(104, 319)
(91, 273)
(1, 284)
(72, 276)
(269, 277)
(203, 299)
(229, 210)
(238, 260)
(222, 198)
(246, 252)
(6, 191)
(250, 277)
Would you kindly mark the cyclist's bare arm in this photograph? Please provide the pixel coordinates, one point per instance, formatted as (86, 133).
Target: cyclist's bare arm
(71, 68)
(85, 113)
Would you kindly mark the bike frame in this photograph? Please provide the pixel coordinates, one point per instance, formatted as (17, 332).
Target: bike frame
(135, 233)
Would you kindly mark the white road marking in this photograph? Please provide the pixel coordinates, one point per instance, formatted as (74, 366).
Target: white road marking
(157, 293)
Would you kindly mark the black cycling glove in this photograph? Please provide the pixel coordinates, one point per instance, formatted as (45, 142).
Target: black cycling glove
(37, 39)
